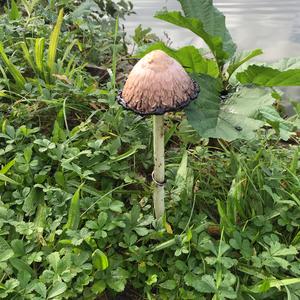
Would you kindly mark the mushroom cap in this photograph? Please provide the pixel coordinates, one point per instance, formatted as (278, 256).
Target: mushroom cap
(157, 84)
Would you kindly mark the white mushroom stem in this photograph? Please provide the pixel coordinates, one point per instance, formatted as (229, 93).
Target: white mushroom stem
(159, 166)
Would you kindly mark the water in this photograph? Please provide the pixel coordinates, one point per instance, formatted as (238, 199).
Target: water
(271, 25)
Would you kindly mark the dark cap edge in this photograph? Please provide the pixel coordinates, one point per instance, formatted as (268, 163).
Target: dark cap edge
(160, 111)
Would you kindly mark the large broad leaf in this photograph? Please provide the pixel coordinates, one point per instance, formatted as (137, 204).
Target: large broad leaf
(237, 118)
(266, 76)
(285, 72)
(240, 58)
(213, 21)
(213, 42)
(189, 57)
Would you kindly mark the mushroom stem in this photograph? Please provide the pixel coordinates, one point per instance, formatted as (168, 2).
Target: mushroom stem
(159, 166)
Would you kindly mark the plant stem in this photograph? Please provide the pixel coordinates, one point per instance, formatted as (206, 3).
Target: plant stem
(159, 166)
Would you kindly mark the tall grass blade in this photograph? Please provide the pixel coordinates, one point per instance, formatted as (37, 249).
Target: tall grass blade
(294, 164)
(6, 168)
(74, 211)
(15, 73)
(39, 54)
(70, 47)
(27, 55)
(7, 179)
(54, 41)
(224, 219)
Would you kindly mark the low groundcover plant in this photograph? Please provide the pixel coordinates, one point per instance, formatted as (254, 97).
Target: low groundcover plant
(76, 214)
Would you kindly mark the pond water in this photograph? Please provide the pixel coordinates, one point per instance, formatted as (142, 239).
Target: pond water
(273, 25)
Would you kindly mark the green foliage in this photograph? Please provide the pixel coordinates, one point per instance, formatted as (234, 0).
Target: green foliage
(79, 223)
(189, 57)
(213, 22)
(16, 74)
(143, 36)
(54, 41)
(197, 27)
(226, 108)
(76, 213)
(238, 117)
(266, 76)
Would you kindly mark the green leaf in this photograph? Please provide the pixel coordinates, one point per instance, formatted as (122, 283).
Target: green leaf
(53, 44)
(3, 94)
(58, 288)
(7, 179)
(168, 284)
(15, 73)
(268, 283)
(181, 178)
(41, 289)
(99, 287)
(21, 265)
(54, 259)
(32, 200)
(127, 154)
(237, 118)
(189, 57)
(18, 247)
(7, 167)
(197, 27)
(99, 260)
(206, 284)
(39, 54)
(27, 55)
(269, 77)
(14, 13)
(118, 280)
(282, 127)
(213, 22)
(74, 211)
(4, 245)
(241, 58)
(117, 285)
(182, 170)
(41, 215)
(6, 255)
(151, 279)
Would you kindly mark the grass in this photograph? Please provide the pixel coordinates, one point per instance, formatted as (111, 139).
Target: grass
(76, 213)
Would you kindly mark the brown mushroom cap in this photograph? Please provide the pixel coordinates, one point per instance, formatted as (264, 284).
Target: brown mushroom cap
(157, 84)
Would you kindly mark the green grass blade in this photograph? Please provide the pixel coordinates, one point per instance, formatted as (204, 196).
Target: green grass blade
(15, 73)
(39, 54)
(6, 168)
(70, 47)
(7, 179)
(294, 164)
(54, 41)
(74, 211)
(27, 55)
